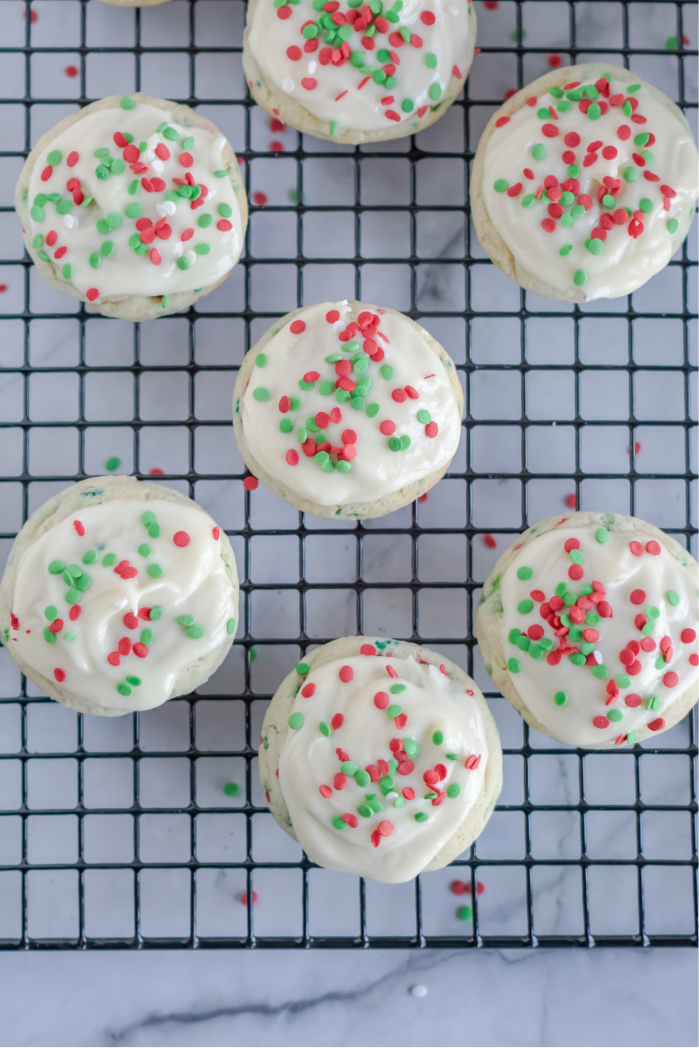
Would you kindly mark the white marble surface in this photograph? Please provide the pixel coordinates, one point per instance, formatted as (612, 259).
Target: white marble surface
(541, 998)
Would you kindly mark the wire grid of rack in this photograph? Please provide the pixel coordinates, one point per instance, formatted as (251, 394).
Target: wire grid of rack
(252, 638)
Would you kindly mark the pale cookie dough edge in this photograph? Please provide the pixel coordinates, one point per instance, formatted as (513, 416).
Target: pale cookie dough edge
(351, 511)
(490, 611)
(275, 728)
(72, 500)
(125, 307)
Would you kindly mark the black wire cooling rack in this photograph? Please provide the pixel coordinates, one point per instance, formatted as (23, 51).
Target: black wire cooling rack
(660, 866)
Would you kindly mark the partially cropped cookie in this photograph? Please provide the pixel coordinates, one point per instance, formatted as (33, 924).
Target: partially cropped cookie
(584, 183)
(347, 410)
(588, 625)
(354, 72)
(381, 758)
(119, 595)
(134, 205)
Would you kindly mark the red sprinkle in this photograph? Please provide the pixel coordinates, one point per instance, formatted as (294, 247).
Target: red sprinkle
(308, 690)
(688, 636)
(346, 674)
(60, 675)
(385, 828)
(181, 538)
(670, 679)
(79, 527)
(325, 791)
(296, 328)
(601, 722)
(337, 721)
(490, 541)
(74, 612)
(250, 483)
(340, 781)
(292, 457)
(381, 700)
(653, 548)
(638, 596)
(657, 725)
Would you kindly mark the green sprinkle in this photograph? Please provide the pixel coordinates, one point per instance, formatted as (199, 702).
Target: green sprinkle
(560, 698)
(464, 913)
(523, 642)
(630, 174)
(145, 551)
(594, 112)
(602, 535)
(434, 91)
(653, 612)
(536, 651)
(580, 277)
(124, 689)
(405, 442)
(525, 573)
(608, 200)
(325, 729)
(51, 613)
(563, 106)
(513, 665)
(108, 248)
(231, 789)
(673, 598)
(108, 559)
(155, 572)
(601, 672)
(394, 710)
(567, 248)
(362, 778)
(84, 582)
(615, 715)
(430, 61)
(202, 249)
(595, 246)
(70, 636)
(132, 190)
(365, 811)
(437, 738)
(57, 567)
(349, 768)
(454, 790)
(296, 720)
(407, 105)
(372, 410)
(127, 103)
(421, 816)
(154, 530)
(672, 225)
(577, 659)
(230, 625)
(261, 393)
(261, 360)
(54, 157)
(539, 151)
(225, 210)
(577, 211)
(147, 636)
(303, 668)
(156, 613)
(49, 637)
(182, 262)
(72, 596)
(501, 185)
(451, 756)
(645, 205)
(513, 636)
(195, 632)
(525, 606)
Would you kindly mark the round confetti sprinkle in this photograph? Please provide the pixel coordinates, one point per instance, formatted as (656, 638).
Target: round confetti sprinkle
(296, 720)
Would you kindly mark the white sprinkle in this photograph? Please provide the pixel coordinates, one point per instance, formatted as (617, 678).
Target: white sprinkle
(312, 66)
(191, 257)
(392, 796)
(219, 142)
(418, 991)
(339, 325)
(70, 221)
(598, 657)
(178, 249)
(121, 603)
(344, 302)
(169, 207)
(452, 10)
(158, 166)
(288, 85)
(161, 210)
(150, 155)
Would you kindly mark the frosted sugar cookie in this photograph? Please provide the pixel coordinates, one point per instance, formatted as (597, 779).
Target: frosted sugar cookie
(584, 183)
(347, 410)
(380, 757)
(133, 204)
(588, 625)
(119, 595)
(358, 72)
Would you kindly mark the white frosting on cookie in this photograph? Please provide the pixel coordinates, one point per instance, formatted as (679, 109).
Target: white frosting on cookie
(644, 603)
(648, 157)
(412, 48)
(106, 233)
(97, 599)
(391, 829)
(351, 458)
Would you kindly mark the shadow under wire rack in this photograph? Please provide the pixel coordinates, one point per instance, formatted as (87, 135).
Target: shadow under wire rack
(119, 834)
